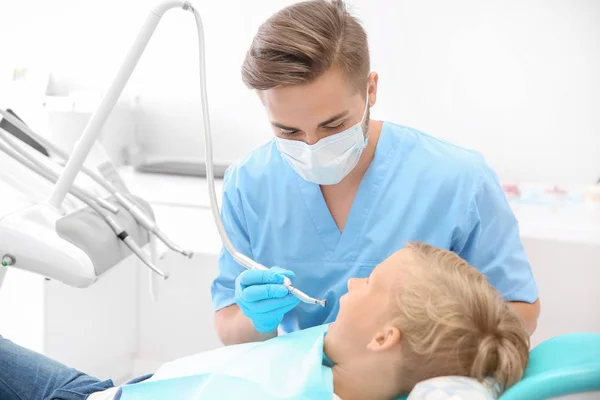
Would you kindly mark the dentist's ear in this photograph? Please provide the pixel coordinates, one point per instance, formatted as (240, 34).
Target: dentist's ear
(373, 80)
(385, 339)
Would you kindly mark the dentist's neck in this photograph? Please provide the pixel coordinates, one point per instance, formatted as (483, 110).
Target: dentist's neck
(369, 152)
(355, 176)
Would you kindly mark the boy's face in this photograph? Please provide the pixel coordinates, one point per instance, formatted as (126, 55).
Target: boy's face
(370, 303)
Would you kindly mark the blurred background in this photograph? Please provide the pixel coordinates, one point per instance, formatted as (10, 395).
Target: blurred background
(515, 80)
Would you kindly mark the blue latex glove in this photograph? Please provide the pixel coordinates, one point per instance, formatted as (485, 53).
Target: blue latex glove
(262, 297)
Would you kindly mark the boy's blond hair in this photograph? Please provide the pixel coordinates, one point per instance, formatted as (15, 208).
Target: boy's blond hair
(300, 42)
(453, 322)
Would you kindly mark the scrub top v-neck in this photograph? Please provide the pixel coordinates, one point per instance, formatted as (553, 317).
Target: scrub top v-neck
(340, 245)
(417, 188)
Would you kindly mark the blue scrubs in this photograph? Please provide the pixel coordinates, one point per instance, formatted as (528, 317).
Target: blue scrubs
(417, 188)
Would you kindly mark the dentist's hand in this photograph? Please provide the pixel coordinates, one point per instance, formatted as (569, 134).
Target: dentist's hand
(262, 297)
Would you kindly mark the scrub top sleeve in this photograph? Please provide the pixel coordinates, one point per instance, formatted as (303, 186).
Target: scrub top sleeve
(492, 243)
(223, 287)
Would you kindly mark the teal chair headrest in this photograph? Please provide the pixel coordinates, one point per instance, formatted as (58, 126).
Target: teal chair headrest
(560, 366)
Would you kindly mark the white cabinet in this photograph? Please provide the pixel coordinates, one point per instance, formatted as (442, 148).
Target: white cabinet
(94, 330)
(563, 246)
(567, 275)
(180, 321)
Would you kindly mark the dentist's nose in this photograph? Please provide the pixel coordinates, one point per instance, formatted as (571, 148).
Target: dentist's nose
(311, 138)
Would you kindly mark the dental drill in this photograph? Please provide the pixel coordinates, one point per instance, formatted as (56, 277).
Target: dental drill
(42, 170)
(140, 215)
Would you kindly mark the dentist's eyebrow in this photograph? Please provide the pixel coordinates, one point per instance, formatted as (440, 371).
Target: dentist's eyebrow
(283, 127)
(334, 118)
(322, 124)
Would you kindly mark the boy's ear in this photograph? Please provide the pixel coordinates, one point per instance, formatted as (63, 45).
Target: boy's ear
(385, 339)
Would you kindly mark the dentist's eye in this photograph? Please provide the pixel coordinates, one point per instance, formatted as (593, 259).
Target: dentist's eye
(335, 128)
(288, 133)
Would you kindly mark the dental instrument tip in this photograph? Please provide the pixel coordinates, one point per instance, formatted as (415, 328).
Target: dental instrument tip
(185, 253)
(159, 234)
(322, 303)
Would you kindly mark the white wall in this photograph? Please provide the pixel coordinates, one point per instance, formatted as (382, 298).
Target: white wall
(516, 80)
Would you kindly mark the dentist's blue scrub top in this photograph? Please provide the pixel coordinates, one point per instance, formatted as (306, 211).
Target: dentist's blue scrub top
(417, 188)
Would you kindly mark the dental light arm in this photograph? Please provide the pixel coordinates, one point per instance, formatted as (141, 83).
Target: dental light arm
(130, 205)
(92, 130)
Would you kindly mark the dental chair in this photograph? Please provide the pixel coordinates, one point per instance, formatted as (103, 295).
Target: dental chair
(565, 365)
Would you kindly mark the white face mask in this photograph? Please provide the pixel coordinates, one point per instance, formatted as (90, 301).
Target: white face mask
(329, 160)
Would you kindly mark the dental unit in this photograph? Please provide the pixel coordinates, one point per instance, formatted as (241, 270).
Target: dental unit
(67, 237)
(129, 205)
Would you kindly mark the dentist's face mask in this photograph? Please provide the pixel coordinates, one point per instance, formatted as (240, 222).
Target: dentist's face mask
(329, 160)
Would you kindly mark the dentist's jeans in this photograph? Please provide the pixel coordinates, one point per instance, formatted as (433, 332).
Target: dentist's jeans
(27, 375)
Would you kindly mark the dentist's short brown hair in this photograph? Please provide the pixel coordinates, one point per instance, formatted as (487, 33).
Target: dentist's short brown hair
(299, 43)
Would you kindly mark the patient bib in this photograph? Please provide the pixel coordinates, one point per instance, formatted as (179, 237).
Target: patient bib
(286, 367)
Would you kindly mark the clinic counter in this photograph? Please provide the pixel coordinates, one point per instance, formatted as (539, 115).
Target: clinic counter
(564, 223)
(577, 222)
(170, 189)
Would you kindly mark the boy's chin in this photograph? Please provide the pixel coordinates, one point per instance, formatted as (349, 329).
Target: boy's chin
(333, 327)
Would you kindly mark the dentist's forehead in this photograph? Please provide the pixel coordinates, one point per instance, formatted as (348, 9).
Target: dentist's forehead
(328, 94)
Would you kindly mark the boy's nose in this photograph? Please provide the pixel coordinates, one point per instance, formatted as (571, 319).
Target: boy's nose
(353, 283)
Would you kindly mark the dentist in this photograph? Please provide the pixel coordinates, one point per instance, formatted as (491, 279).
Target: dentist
(334, 193)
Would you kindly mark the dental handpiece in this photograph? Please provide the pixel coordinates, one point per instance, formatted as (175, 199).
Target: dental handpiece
(303, 297)
(5, 135)
(125, 238)
(116, 228)
(149, 224)
(138, 213)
